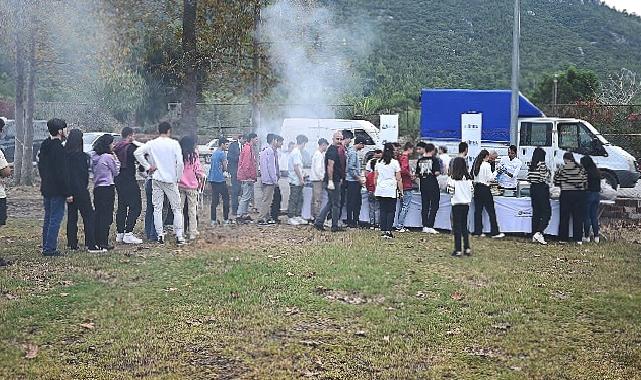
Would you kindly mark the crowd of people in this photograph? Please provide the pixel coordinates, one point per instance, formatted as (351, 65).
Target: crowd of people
(175, 178)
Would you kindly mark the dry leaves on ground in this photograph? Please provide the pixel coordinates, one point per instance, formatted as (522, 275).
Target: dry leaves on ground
(31, 351)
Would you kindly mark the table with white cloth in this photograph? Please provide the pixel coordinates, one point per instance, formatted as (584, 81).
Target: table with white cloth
(514, 215)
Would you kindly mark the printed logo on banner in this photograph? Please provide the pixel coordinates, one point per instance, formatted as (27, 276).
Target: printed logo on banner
(524, 214)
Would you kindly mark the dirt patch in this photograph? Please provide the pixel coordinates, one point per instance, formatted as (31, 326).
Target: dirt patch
(350, 298)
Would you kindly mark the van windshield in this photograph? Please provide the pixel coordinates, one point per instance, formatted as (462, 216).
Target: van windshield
(361, 133)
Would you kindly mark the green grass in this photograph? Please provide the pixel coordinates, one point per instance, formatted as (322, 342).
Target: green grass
(350, 306)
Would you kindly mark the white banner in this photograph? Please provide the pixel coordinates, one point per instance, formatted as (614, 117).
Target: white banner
(471, 127)
(389, 128)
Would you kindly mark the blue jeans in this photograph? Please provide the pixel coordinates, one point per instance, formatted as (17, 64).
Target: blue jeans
(54, 212)
(150, 230)
(405, 208)
(592, 201)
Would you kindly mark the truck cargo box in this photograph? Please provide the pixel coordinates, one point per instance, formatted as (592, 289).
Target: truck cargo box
(441, 111)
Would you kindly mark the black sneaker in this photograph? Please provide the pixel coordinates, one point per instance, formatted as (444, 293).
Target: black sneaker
(96, 249)
(108, 247)
(456, 254)
(161, 240)
(262, 222)
(468, 252)
(272, 221)
(319, 227)
(51, 253)
(180, 242)
(337, 229)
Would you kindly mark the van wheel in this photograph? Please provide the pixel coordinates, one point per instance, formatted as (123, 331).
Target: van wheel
(612, 179)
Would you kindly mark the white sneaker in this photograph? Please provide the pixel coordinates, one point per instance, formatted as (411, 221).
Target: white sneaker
(579, 243)
(328, 224)
(129, 238)
(301, 221)
(214, 223)
(586, 239)
(499, 236)
(597, 240)
(429, 230)
(433, 231)
(119, 237)
(539, 238)
(426, 230)
(293, 222)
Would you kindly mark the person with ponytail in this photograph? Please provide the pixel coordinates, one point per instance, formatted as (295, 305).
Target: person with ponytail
(483, 175)
(105, 167)
(189, 183)
(539, 177)
(389, 186)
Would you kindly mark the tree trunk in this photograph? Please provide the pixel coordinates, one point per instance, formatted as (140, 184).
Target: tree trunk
(20, 110)
(27, 158)
(257, 85)
(190, 73)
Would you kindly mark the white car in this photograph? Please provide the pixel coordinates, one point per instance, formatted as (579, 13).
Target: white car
(89, 138)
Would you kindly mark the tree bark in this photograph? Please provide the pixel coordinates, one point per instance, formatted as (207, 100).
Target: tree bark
(20, 110)
(257, 84)
(189, 111)
(27, 158)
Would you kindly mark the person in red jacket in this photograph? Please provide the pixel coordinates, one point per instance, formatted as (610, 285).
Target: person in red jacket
(247, 175)
(408, 185)
(370, 185)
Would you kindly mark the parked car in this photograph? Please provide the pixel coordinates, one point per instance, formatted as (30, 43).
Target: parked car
(90, 137)
(8, 141)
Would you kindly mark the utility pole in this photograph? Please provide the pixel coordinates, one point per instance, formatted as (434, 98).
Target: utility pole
(516, 72)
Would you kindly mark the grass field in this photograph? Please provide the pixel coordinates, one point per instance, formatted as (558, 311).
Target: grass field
(291, 303)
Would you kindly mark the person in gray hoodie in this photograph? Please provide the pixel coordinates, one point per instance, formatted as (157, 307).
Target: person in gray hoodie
(105, 167)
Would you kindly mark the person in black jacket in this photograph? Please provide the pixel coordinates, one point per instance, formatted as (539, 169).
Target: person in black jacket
(78, 170)
(54, 186)
(129, 197)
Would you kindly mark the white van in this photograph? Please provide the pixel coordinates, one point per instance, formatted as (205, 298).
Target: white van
(316, 129)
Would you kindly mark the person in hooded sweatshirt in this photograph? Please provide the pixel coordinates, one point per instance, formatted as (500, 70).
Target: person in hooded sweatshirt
(54, 185)
(78, 163)
(105, 167)
(129, 197)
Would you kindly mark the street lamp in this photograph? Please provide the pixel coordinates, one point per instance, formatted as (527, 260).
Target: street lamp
(556, 88)
(516, 72)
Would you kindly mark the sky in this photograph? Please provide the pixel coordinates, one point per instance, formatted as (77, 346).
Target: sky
(633, 6)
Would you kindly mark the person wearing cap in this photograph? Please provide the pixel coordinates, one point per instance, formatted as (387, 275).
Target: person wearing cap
(355, 181)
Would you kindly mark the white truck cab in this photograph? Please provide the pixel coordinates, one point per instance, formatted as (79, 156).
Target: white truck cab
(557, 136)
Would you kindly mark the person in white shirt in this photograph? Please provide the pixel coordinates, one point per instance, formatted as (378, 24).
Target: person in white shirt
(296, 182)
(389, 185)
(509, 169)
(460, 186)
(483, 175)
(165, 165)
(445, 159)
(317, 175)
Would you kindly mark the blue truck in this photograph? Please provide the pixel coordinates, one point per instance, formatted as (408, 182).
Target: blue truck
(442, 110)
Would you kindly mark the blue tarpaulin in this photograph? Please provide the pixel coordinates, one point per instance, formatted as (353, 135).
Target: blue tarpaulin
(441, 111)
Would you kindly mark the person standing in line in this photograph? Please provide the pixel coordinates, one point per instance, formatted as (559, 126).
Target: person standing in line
(348, 136)
(54, 185)
(247, 175)
(355, 182)
(334, 174)
(216, 177)
(539, 177)
(460, 186)
(428, 168)
(166, 166)
(150, 228)
(483, 199)
(389, 186)
(463, 150)
(445, 159)
(105, 167)
(593, 199)
(78, 163)
(129, 197)
(233, 156)
(370, 185)
(317, 175)
(277, 199)
(269, 174)
(296, 182)
(572, 179)
(189, 183)
(510, 168)
(5, 171)
(408, 185)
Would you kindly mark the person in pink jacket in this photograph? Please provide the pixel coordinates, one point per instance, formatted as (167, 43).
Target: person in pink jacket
(247, 175)
(189, 183)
